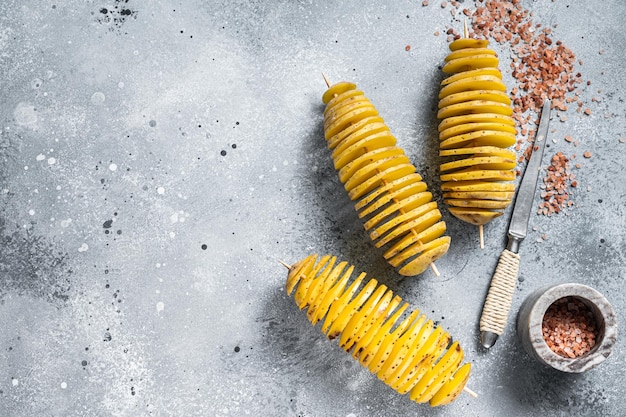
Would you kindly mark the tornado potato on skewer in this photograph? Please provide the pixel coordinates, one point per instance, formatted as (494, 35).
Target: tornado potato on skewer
(407, 351)
(391, 198)
(475, 131)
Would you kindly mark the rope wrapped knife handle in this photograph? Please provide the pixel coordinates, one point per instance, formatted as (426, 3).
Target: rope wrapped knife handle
(500, 295)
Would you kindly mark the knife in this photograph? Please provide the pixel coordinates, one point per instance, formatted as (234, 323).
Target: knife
(498, 302)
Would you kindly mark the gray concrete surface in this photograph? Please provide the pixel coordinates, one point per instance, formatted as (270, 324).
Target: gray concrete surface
(158, 158)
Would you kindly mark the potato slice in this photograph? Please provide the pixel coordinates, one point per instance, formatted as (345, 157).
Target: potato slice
(399, 219)
(349, 309)
(415, 353)
(431, 232)
(387, 188)
(367, 158)
(390, 174)
(352, 332)
(477, 82)
(419, 360)
(418, 249)
(468, 43)
(438, 375)
(478, 186)
(495, 72)
(465, 52)
(402, 206)
(348, 119)
(435, 347)
(488, 162)
(399, 194)
(339, 304)
(476, 173)
(474, 106)
(414, 229)
(421, 263)
(482, 195)
(369, 143)
(298, 271)
(473, 127)
(475, 118)
(336, 90)
(369, 337)
(474, 216)
(377, 166)
(378, 312)
(346, 97)
(356, 132)
(313, 289)
(413, 250)
(479, 150)
(480, 138)
(452, 388)
(389, 341)
(479, 204)
(473, 95)
(471, 62)
(400, 348)
(303, 288)
(344, 109)
(325, 284)
(380, 338)
(333, 293)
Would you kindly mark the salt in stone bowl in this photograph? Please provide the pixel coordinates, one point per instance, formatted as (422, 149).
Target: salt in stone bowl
(530, 318)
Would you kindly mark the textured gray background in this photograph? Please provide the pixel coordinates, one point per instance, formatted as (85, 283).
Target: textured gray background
(128, 140)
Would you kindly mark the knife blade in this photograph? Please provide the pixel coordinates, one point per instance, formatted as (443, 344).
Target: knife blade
(500, 295)
(518, 226)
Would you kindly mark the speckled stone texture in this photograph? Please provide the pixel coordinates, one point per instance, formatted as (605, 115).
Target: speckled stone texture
(530, 320)
(157, 159)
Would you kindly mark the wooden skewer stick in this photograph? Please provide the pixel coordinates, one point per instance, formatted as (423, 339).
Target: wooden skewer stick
(326, 80)
(481, 236)
(434, 268)
(285, 264)
(467, 390)
(432, 264)
(470, 392)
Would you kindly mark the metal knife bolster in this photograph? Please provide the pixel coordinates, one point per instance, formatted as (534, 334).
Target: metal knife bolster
(518, 227)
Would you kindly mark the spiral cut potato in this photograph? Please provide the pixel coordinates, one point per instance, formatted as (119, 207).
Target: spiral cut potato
(392, 200)
(475, 130)
(403, 348)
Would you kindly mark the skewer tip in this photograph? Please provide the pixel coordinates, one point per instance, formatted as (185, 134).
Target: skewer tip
(326, 80)
(285, 264)
(435, 270)
(465, 29)
(470, 392)
(481, 236)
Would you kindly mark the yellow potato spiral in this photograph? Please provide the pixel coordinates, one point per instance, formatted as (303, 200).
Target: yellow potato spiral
(393, 201)
(403, 348)
(475, 130)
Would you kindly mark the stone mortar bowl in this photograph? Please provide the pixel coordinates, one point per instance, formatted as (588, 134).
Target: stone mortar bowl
(530, 318)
